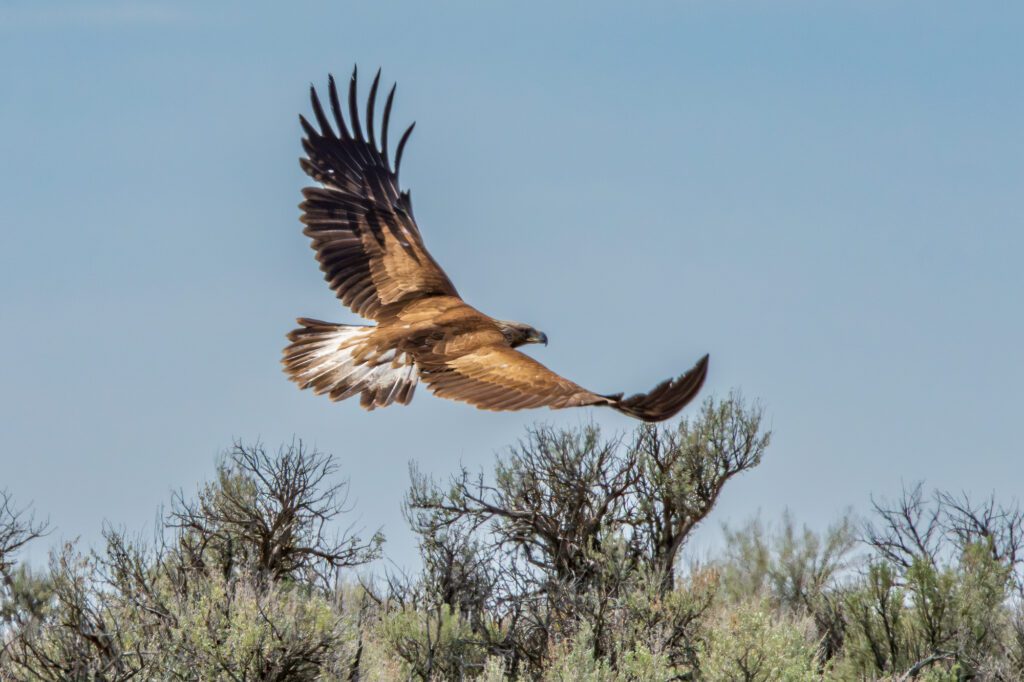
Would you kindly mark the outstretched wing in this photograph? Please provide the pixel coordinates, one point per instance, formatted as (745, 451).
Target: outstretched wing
(501, 378)
(366, 240)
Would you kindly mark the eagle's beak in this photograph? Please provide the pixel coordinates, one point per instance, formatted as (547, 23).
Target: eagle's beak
(540, 337)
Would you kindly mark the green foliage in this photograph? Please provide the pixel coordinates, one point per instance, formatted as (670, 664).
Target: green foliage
(573, 660)
(876, 639)
(791, 567)
(26, 598)
(951, 618)
(434, 644)
(796, 571)
(238, 629)
(748, 643)
(667, 624)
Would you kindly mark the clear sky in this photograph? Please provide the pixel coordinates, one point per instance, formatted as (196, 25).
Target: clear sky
(826, 196)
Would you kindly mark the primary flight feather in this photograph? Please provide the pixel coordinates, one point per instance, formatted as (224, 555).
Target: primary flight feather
(373, 257)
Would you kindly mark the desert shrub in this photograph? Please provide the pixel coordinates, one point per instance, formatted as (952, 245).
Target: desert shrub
(937, 598)
(238, 587)
(562, 566)
(573, 660)
(271, 515)
(946, 620)
(747, 642)
(239, 629)
(795, 571)
(435, 644)
(584, 531)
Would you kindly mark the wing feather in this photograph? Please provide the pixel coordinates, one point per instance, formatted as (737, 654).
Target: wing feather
(360, 223)
(495, 377)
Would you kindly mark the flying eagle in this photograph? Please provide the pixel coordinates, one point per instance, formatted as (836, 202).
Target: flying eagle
(374, 259)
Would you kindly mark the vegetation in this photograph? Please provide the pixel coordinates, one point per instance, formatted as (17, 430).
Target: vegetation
(565, 564)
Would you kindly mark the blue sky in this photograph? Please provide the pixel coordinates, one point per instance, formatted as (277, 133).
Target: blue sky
(827, 197)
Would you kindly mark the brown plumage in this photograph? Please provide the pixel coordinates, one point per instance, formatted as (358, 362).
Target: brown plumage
(373, 257)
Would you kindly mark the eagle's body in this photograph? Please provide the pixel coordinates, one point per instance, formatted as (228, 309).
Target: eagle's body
(372, 255)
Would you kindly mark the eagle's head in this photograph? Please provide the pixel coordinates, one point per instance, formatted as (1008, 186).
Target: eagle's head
(519, 334)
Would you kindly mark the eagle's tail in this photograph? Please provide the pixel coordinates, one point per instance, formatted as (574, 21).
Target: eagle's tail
(334, 359)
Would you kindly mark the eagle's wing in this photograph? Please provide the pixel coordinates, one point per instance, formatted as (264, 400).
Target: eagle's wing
(496, 377)
(369, 247)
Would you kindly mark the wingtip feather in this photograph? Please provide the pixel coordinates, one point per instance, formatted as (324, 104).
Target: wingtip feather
(353, 105)
(667, 398)
(401, 147)
(371, 102)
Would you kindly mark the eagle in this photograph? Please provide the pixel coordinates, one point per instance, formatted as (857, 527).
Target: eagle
(373, 257)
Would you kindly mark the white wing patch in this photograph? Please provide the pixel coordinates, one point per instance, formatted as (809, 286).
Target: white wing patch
(332, 359)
